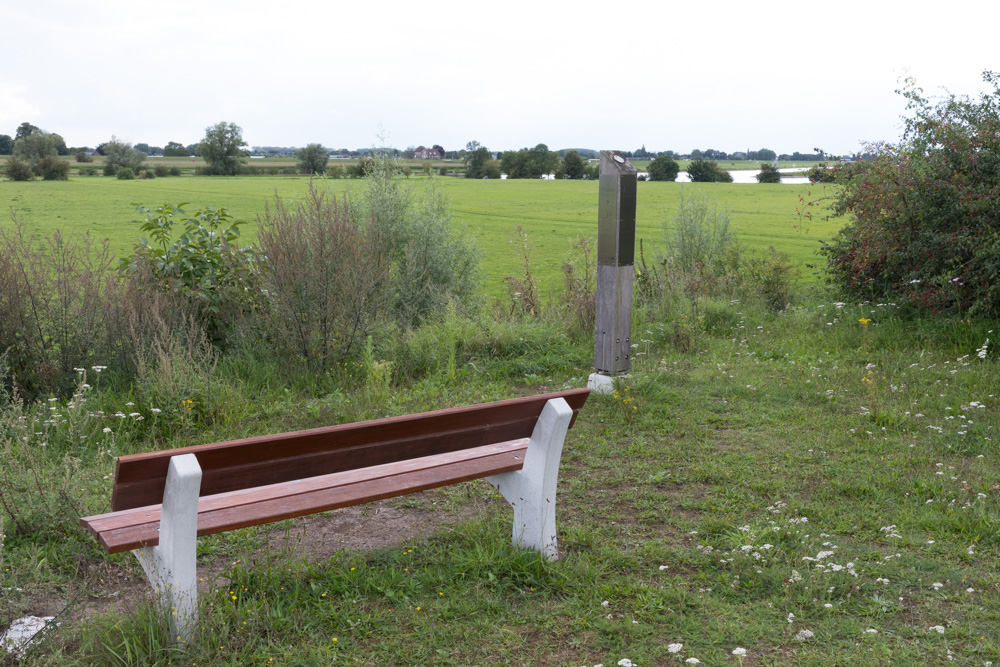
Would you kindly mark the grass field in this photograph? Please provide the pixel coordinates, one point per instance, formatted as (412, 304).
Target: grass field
(551, 212)
(815, 484)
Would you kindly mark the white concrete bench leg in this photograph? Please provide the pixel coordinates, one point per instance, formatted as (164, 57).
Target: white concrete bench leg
(532, 490)
(171, 566)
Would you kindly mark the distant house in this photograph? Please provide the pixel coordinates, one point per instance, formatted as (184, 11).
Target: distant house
(427, 153)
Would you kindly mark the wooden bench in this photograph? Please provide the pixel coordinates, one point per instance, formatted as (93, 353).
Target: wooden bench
(162, 501)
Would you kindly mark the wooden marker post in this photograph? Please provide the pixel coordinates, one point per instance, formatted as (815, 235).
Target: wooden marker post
(615, 270)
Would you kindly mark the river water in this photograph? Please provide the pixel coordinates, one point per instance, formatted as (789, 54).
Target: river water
(750, 176)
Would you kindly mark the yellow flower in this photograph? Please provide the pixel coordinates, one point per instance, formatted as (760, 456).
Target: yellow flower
(865, 320)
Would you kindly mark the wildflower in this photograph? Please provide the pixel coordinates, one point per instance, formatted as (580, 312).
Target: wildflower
(937, 628)
(692, 661)
(675, 648)
(937, 586)
(804, 635)
(871, 631)
(107, 430)
(739, 651)
(625, 662)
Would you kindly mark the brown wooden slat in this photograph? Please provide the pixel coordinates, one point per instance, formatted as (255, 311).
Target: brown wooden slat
(131, 529)
(263, 460)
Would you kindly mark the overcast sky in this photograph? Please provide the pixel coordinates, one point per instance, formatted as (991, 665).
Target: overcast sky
(667, 74)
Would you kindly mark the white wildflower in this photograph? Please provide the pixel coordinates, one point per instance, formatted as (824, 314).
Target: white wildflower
(739, 651)
(804, 635)
(675, 648)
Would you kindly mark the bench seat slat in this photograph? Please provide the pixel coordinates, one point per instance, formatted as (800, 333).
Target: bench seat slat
(263, 460)
(134, 528)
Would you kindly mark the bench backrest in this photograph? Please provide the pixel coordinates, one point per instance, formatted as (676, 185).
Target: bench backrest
(272, 459)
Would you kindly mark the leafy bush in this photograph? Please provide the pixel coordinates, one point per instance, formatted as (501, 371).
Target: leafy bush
(118, 154)
(312, 159)
(663, 168)
(175, 171)
(433, 262)
(52, 169)
(87, 171)
(52, 306)
(707, 171)
(204, 266)
(82, 156)
(161, 170)
(125, 174)
(769, 174)
(148, 173)
(702, 258)
(17, 169)
(926, 210)
(326, 279)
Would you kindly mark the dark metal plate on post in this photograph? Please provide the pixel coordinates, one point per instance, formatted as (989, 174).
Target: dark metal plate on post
(607, 220)
(626, 232)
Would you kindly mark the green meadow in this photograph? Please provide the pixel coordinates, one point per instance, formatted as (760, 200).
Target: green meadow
(808, 482)
(552, 213)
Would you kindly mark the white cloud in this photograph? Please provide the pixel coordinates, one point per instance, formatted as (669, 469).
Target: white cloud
(15, 107)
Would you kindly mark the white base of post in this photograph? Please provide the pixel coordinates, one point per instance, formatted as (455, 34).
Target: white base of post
(531, 491)
(170, 566)
(599, 383)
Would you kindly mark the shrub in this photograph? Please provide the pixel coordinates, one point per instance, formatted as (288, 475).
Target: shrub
(175, 171)
(707, 171)
(926, 210)
(769, 174)
(703, 259)
(82, 156)
(327, 279)
(663, 168)
(125, 174)
(148, 173)
(17, 169)
(334, 171)
(51, 306)
(118, 154)
(87, 171)
(433, 262)
(204, 267)
(161, 170)
(52, 169)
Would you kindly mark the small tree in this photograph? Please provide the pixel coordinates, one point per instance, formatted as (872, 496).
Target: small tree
(573, 164)
(707, 171)
(6, 144)
(313, 158)
(926, 210)
(663, 168)
(33, 147)
(174, 149)
(17, 169)
(223, 149)
(768, 174)
(119, 154)
(51, 168)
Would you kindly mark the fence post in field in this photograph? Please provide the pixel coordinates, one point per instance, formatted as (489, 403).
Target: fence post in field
(615, 270)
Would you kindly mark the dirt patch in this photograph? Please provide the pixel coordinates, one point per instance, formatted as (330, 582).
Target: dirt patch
(374, 525)
(110, 587)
